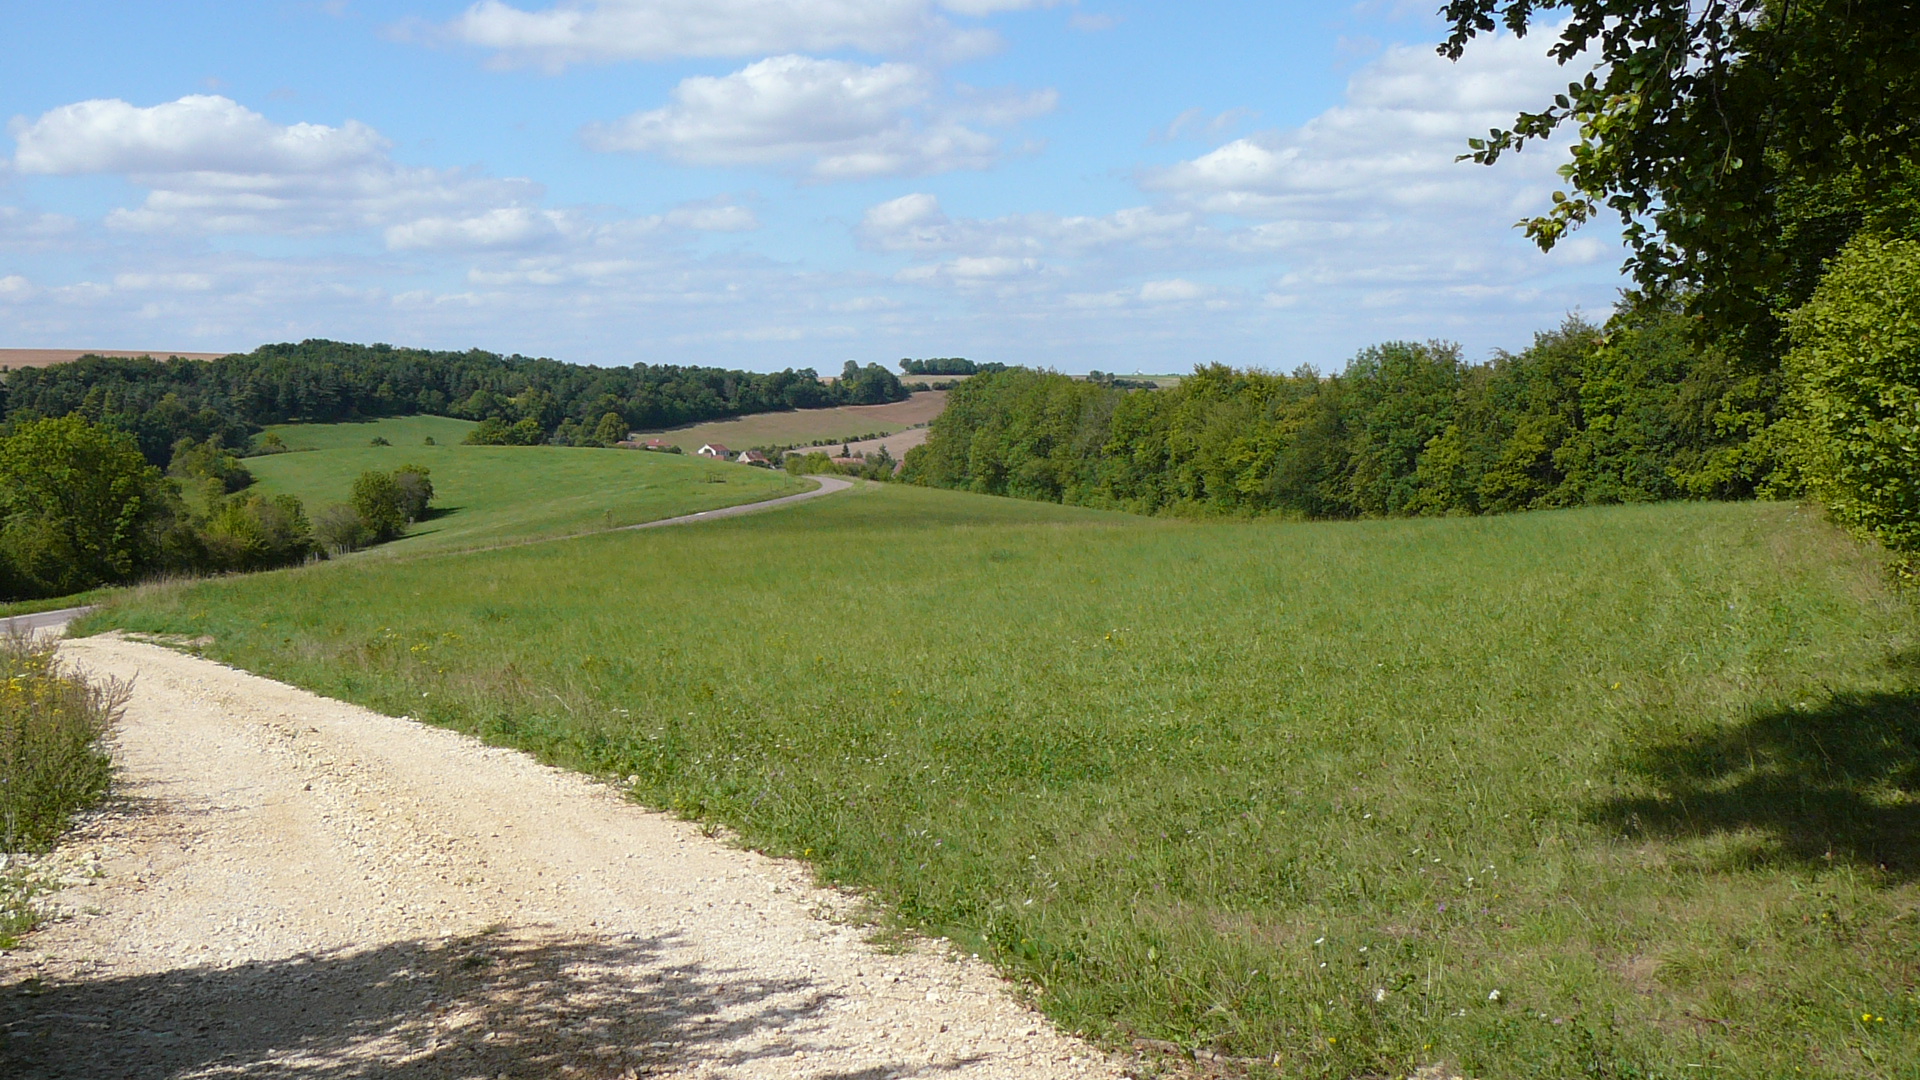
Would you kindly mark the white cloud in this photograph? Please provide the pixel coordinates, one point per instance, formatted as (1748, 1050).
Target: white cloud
(148, 282)
(215, 166)
(198, 133)
(503, 227)
(20, 229)
(836, 118)
(1390, 148)
(916, 224)
(1172, 291)
(602, 31)
(14, 287)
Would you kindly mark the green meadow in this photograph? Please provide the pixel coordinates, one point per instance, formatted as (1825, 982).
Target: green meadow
(1625, 792)
(487, 495)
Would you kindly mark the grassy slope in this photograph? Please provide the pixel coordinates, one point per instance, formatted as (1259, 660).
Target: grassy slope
(493, 494)
(401, 431)
(1308, 790)
(808, 425)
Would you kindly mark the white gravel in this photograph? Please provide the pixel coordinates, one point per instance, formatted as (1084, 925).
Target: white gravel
(295, 887)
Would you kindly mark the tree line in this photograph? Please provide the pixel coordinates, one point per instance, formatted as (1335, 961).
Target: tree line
(160, 402)
(1635, 411)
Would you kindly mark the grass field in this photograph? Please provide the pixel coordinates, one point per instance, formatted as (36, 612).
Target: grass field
(802, 426)
(1630, 792)
(497, 494)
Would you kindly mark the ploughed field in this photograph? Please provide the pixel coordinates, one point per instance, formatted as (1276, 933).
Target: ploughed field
(487, 495)
(1618, 792)
(844, 423)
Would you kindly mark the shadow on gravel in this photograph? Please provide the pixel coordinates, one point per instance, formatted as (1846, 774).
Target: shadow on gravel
(491, 1005)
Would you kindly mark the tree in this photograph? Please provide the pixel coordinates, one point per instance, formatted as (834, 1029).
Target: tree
(413, 490)
(377, 500)
(79, 506)
(1741, 143)
(611, 429)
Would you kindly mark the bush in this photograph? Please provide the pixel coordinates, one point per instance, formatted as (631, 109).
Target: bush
(195, 460)
(1854, 388)
(51, 762)
(413, 487)
(256, 533)
(338, 530)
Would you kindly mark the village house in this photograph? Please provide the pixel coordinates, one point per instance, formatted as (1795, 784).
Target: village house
(659, 445)
(715, 450)
(754, 457)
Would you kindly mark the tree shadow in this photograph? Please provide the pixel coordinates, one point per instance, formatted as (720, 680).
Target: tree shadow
(1838, 781)
(498, 1004)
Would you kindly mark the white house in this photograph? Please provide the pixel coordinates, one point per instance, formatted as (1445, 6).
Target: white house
(715, 450)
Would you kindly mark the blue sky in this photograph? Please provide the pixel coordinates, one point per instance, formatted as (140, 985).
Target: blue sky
(1105, 184)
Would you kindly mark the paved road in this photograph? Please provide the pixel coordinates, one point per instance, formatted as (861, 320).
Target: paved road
(46, 622)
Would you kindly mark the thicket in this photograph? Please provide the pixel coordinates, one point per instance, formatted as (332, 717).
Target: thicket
(1635, 413)
(81, 507)
(161, 402)
(947, 365)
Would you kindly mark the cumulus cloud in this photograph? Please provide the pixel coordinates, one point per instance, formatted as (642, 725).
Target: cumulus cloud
(836, 119)
(602, 31)
(1390, 147)
(916, 224)
(198, 133)
(215, 166)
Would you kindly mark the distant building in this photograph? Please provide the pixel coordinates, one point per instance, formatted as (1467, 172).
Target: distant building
(715, 450)
(661, 445)
(754, 457)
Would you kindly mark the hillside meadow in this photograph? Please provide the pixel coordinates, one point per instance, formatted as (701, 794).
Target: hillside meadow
(488, 495)
(1622, 792)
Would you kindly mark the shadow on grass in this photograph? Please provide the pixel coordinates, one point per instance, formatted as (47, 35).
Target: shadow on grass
(492, 1005)
(1838, 781)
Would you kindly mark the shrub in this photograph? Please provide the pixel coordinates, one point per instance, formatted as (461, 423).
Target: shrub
(379, 440)
(1854, 387)
(377, 500)
(195, 460)
(338, 530)
(413, 487)
(51, 762)
(257, 533)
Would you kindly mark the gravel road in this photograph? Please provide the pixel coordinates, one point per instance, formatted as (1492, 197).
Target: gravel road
(290, 886)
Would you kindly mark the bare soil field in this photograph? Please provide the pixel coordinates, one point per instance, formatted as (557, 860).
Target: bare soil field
(808, 425)
(896, 445)
(292, 886)
(34, 358)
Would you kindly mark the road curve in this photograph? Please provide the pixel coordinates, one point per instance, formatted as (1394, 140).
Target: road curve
(828, 485)
(44, 622)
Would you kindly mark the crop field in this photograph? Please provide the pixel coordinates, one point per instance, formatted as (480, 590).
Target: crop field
(498, 494)
(844, 423)
(1630, 792)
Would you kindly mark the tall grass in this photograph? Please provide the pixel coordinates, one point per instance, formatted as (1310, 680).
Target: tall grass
(51, 760)
(1621, 792)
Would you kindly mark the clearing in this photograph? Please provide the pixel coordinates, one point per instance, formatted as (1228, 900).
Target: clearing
(499, 494)
(292, 886)
(808, 425)
(1625, 789)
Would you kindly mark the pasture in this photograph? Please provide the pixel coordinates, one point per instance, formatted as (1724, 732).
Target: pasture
(489, 495)
(802, 426)
(1626, 792)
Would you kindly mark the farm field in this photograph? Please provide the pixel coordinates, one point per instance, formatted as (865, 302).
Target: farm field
(34, 358)
(806, 425)
(1614, 792)
(498, 494)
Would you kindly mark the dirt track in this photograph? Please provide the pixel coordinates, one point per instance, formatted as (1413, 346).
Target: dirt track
(296, 887)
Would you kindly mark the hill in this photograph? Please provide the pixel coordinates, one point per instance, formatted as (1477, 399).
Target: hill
(493, 494)
(1596, 792)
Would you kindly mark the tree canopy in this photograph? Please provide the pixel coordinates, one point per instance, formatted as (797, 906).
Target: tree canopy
(1741, 143)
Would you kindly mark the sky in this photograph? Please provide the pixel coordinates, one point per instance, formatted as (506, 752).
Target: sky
(1118, 185)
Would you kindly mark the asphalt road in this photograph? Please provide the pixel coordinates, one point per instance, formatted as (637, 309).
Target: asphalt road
(46, 622)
